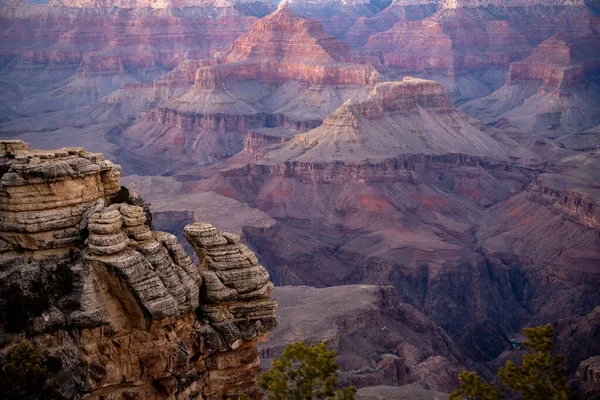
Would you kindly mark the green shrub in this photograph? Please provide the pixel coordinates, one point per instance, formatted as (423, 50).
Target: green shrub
(304, 373)
(24, 375)
(539, 377)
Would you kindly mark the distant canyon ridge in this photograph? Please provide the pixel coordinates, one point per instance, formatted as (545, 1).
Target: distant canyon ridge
(420, 176)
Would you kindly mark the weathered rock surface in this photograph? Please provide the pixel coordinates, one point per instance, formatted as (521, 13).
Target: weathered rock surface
(588, 373)
(122, 307)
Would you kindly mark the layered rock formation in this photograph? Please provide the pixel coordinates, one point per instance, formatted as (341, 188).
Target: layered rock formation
(554, 89)
(59, 61)
(371, 197)
(265, 80)
(414, 116)
(469, 46)
(122, 308)
(551, 231)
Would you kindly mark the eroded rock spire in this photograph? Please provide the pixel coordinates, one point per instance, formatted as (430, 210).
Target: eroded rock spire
(121, 306)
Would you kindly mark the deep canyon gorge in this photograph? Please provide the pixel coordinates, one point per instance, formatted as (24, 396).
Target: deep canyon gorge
(414, 181)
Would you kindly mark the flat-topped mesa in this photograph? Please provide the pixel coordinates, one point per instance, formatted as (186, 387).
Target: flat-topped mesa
(558, 63)
(401, 97)
(64, 214)
(454, 4)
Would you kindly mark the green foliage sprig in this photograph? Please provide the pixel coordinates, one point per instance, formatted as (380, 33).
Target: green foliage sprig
(24, 375)
(540, 376)
(304, 373)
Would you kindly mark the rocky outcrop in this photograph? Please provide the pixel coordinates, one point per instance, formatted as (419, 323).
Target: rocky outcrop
(588, 373)
(122, 307)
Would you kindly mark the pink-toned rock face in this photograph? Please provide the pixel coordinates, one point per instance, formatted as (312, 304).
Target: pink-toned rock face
(558, 63)
(277, 35)
(462, 45)
(553, 89)
(64, 34)
(264, 80)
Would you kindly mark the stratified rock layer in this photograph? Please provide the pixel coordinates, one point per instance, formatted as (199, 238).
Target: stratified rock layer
(555, 89)
(286, 72)
(124, 308)
(470, 45)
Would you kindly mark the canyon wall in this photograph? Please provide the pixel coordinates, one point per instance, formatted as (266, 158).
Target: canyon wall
(122, 308)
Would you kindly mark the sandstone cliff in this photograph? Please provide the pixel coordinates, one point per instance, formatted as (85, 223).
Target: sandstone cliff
(121, 307)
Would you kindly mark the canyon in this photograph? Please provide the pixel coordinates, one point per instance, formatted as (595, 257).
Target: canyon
(418, 179)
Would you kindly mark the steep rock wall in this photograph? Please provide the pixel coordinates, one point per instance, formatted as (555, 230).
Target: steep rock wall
(121, 307)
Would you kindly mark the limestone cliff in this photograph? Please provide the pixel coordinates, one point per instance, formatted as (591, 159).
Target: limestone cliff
(122, 308)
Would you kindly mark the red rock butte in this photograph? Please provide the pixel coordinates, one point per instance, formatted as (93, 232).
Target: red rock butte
(283, 47)
(558, 62)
